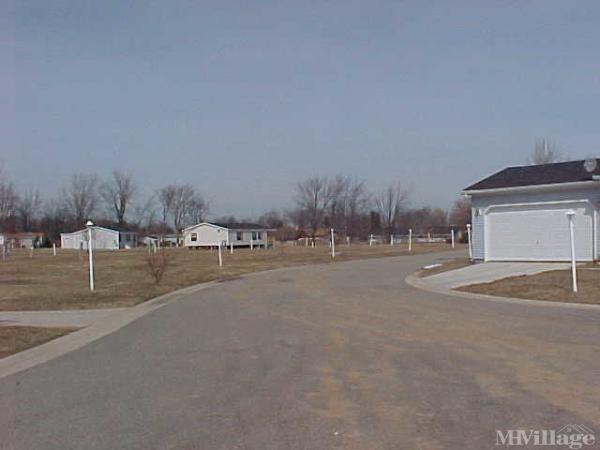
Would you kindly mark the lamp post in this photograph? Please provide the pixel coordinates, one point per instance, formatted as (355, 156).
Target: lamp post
(470, 241)
(90, 225)
(571, 216)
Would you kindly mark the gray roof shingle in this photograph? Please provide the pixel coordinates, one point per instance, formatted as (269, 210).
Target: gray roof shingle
(555, 173)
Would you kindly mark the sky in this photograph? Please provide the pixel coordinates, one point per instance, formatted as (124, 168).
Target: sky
(243, 99)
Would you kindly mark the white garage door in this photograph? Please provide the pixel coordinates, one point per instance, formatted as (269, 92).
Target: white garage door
(538, 232)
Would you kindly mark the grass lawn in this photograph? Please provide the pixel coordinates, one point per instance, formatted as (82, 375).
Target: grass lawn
(17, 339)
(553, 286)
(45, 282)
(445, 266)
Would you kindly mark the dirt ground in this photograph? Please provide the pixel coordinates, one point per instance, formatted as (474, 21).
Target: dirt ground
(45, 282)
(16, 339)
(554, 286)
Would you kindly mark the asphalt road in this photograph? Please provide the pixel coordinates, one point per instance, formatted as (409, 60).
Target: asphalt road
(320, 357)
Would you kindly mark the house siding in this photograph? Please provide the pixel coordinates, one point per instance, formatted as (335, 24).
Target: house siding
(482, 201)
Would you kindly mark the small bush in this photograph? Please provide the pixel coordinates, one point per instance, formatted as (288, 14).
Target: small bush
(157, 264)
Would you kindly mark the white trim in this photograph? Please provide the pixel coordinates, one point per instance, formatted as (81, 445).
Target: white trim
(548, 203)
(531, 187)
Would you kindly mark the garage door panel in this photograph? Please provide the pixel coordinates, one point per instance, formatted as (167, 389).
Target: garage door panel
(538, 232)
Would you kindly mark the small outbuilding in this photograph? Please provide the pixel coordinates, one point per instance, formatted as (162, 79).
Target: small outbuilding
(521, 213)
(103, 238)
(214, 234)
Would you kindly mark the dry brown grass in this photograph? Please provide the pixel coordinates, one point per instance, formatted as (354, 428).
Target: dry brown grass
(16, 339)
(554, 286)
(45, 282)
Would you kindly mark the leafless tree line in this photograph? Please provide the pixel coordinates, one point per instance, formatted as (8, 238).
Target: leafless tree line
(115, 201)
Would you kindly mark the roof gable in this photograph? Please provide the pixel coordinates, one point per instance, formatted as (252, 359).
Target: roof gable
(543, 174)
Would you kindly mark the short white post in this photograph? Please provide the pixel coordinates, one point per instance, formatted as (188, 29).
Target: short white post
(312, 243)
(251, 243)
(429, 237)
(410, 239)
(347, 241)
(571, 215)
(220, 256)
(332, 243)
(370, 240)
(469, 241)
(54, 248)
(392, 240)
(89, 226)
(306, 242)
(452, 237)
(231, 247)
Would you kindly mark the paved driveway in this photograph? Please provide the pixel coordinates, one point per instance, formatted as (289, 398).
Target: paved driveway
(321, 357)
(491, 271)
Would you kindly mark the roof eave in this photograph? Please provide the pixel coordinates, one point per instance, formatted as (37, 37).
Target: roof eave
(530, 187)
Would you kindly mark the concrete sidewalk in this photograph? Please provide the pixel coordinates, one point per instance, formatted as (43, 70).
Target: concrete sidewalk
(487, 272)
(71, 318)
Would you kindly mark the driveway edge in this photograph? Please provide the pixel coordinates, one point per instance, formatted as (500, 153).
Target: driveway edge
(420, 283)
(57, 347)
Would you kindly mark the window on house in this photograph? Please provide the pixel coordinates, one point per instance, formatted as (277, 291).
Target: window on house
(254, 236)
(239, 236)
(194, 237)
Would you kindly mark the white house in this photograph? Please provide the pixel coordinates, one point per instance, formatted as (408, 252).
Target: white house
(214, 234)
(104, 239)
(520, 213)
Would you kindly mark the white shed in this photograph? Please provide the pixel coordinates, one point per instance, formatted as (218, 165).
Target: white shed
(214, 234)
(104, 239)
(520, 213)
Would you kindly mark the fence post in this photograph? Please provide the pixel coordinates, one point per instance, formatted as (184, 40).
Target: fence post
(370, 240)
(452, 238)
(410, 239)
(392, 240)
(347, 241)
(54, 248)
(332, 243)
(220, 255)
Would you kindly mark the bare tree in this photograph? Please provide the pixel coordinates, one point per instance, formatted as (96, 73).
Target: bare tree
(198, 208)
(8, 198)
(545, 152)
(117, 193)
(460, 214)
(312, 198)
(185, 196)
(79, 197)
(271, 219)
(28, 208)
(390, 203)
(166, 198)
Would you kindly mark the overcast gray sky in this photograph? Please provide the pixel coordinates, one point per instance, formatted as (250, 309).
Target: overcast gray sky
(242, 99)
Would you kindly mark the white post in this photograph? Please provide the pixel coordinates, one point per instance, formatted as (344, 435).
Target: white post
(347, 241)
(370, 240)
(312, 242)
(410, 239)
(391, 239)
(251, 242)
(54, 248)
(306, 242)
(89, 226)
(231, 247)
(332, 243)
(469, 241)
(429, 237)
(220, 256)
(452, 233)
(571, 215)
